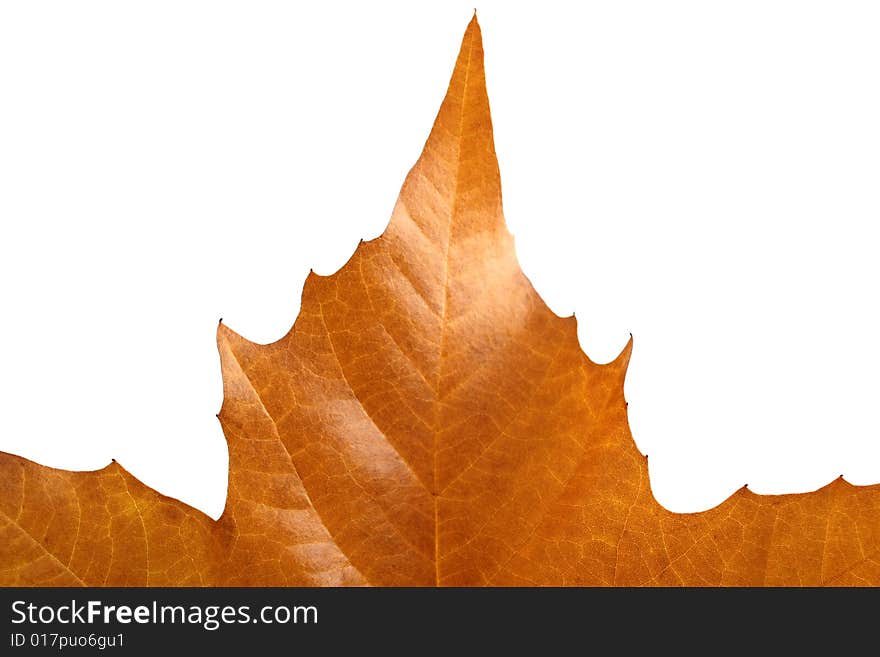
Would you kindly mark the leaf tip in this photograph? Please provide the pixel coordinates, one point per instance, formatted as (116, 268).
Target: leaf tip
(622, 359)
(474, 23)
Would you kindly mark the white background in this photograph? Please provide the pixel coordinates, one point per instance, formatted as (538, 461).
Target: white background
(703, 175)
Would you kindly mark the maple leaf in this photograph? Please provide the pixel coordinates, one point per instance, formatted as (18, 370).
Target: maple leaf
(427, 421)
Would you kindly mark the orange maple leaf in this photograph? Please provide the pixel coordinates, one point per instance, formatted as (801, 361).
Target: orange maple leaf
(427, 421)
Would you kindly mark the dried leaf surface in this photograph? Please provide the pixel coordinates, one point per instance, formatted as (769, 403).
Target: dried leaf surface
(427, 421)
